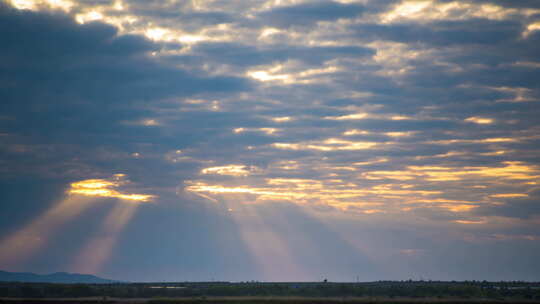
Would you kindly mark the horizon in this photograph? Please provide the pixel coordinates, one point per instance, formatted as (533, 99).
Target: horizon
(274, 140)
(113, 281)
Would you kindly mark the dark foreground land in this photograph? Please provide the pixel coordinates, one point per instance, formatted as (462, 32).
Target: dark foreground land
(272, 293)
(264, 300)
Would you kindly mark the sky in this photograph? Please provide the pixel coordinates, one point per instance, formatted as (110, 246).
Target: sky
(271, 140)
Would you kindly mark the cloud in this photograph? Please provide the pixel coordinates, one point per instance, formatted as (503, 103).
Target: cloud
(105, 188)
(444, 33)
(523, 207)
(239, 55)
(66, 80)
(309, 13)
(390, 138)
(517, 4)
(87, 65)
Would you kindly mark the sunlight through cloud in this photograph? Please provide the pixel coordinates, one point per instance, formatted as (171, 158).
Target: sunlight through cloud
(104, 188)
(232, 170)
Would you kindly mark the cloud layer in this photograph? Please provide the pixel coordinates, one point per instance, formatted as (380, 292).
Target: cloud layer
(403, 134)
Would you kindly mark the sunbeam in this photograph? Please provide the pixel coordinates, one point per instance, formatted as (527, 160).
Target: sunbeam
(268, 248)
(95, 253)
(81, 195)
(26, 242)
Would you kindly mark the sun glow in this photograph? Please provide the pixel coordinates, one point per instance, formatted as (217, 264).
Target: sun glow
(470, 222)
(103, 188)
(509, 195)
(479, 120)
(355, 116)
(511, 170)
(335, 193)
(37, 4)
(289, 73)
(232, 170)
(355, 132)
(429, 10)
(328, 145)
(398, 134)
(267, 131)
(531, 28)
(266, 76)
(406, 9)
(281, 119)
(345, 188)
(87, 17)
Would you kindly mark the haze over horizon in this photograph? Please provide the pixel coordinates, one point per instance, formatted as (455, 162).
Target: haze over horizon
(271, 140)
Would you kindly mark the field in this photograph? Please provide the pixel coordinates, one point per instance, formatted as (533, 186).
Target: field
(272, 293)
(258, 300)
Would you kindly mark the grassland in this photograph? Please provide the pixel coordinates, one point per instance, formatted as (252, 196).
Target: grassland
(272, 293)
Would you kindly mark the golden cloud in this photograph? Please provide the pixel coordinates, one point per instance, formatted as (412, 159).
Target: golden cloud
(105, 188)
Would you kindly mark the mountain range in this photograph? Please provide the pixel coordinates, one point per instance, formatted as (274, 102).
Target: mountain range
(57, 277)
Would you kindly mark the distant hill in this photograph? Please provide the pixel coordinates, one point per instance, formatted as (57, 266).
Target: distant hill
(57, 277)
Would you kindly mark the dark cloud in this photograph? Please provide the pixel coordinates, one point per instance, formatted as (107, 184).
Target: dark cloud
(65, 75)
(522, 208)
(444, 33)
(70, 89)
(191, 21)
(71, 96)
(503, 3)
(20, 204)
(309, 13)
(245, 55)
